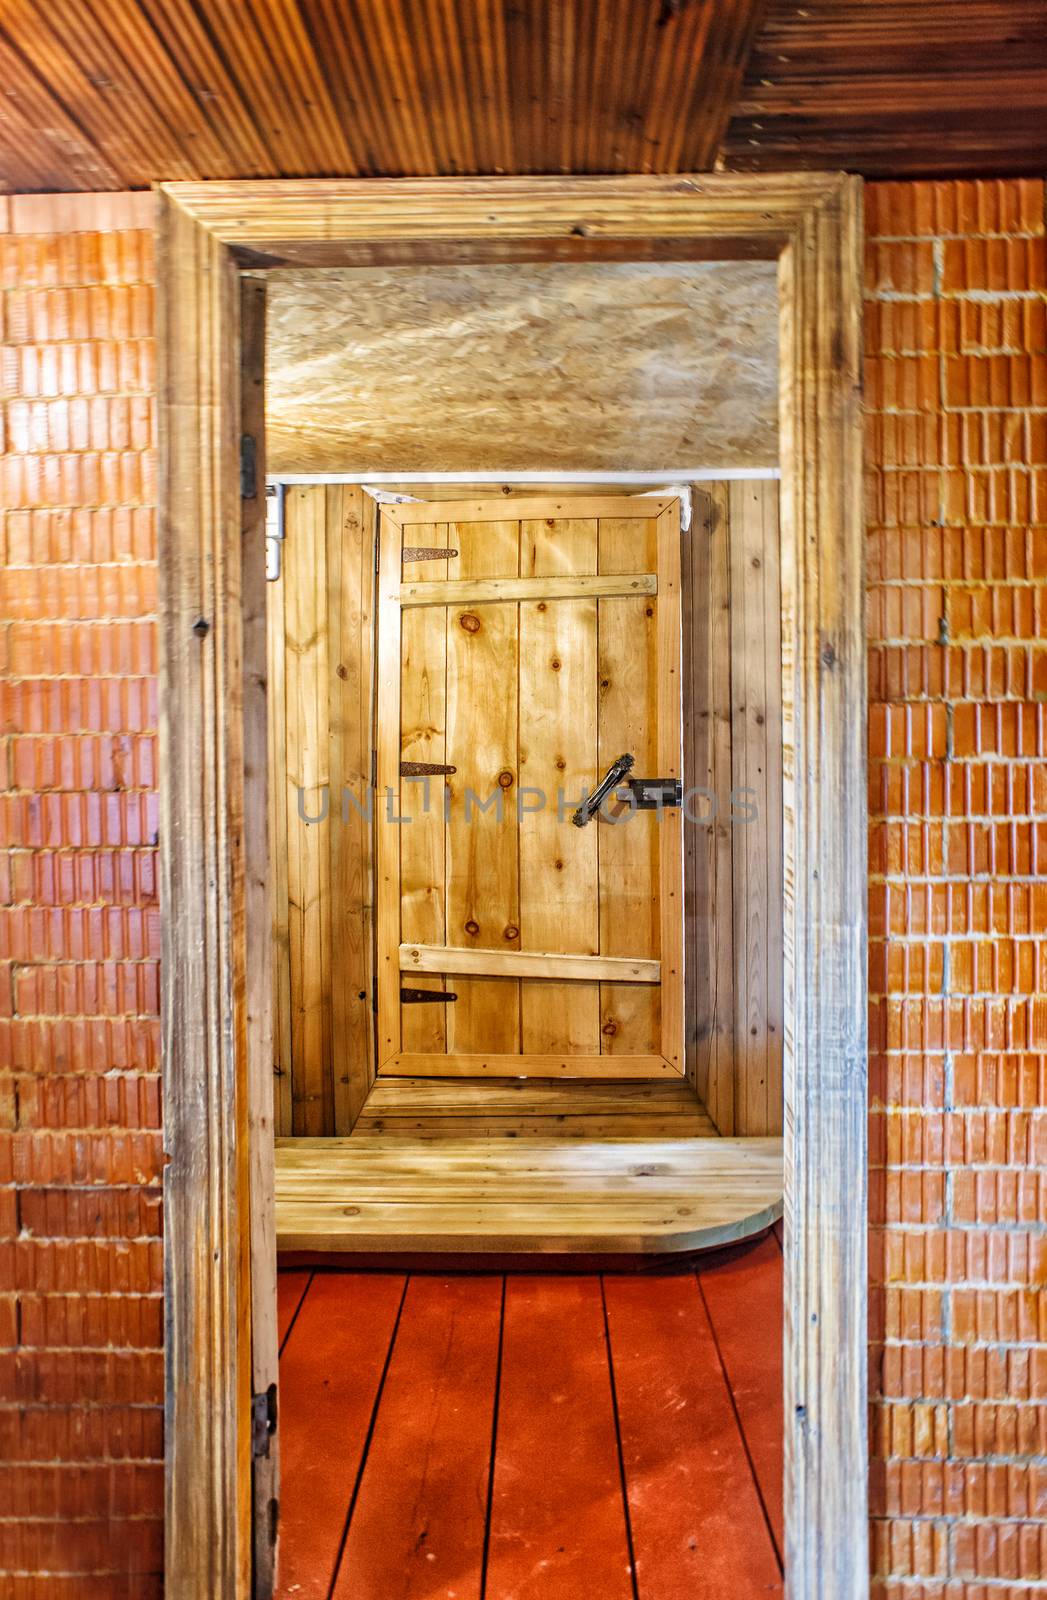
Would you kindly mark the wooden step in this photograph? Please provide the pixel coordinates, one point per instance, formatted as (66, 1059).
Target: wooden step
(524, 1195)
(512, 1108)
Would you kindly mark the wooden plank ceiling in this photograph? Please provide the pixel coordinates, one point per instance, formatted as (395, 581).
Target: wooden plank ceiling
(895, 87)
(112, 94)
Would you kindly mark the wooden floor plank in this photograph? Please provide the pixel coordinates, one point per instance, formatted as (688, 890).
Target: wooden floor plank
(744, 1300)
(558, 1525)
(697, 1524)
(417, 1530)
(290, 1287)
(330, 1374)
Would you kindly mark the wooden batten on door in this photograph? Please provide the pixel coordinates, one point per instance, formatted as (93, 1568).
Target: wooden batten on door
(321, 619)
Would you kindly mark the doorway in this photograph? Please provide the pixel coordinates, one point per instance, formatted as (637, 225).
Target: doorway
(810, 223)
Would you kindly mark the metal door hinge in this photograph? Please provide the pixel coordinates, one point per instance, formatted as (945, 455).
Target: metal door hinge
(423, 997)
(425, 552)
(274, 531)
(425, 769)
(263, 1421)
(248, 466)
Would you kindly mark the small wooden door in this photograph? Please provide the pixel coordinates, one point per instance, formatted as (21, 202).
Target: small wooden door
(523, 647)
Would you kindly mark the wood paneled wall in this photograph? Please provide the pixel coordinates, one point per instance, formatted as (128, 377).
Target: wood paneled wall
(733, 752)
(320, 709)
(320, 621)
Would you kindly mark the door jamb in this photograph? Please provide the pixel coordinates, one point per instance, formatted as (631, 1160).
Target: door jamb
(218, 1181)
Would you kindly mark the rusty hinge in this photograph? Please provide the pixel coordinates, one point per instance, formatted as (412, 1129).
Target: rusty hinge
(263, 1421)
(425, 552)
(422, 997)
(248, 467)
(424, 769)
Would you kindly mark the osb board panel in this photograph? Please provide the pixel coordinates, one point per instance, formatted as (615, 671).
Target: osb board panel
(586, 367)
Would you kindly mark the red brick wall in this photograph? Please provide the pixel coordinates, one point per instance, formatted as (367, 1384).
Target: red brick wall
(81, 1384)
(956, 394)
(957, 456)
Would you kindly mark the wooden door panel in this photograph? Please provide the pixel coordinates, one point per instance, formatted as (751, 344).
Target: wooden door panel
(559, 877)
(423, 721)
(630, 1015)
(483, 869)
(541, 649)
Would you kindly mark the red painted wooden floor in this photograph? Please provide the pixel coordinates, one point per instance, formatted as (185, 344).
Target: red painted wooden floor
(533, 1438)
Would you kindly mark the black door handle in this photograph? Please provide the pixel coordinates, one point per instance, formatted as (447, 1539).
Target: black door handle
(614, 775)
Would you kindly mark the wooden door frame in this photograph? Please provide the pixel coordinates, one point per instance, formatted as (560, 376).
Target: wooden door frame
(216, 1071)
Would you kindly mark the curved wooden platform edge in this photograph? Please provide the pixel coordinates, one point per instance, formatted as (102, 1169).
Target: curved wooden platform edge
(533, 1197)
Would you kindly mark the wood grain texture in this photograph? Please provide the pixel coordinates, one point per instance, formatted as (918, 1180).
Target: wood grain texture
(204, 1014)
(559, 887)
(558, 1523)
(423, 738)
(824, 752)
(528, 963)
(709, 834)
(564, 586)
(697, 1521)
(630, 1018)
(330, 1372)
(321, 716)
(110, 97)
(743, 1296)
(482, 863)
(756, 812)
(308, 777)
(895, 89)
(813, 224)
(258, 930)
(524, 1194)
(419, 1522)
(279, 892)
(350, 518)
(458, 1108)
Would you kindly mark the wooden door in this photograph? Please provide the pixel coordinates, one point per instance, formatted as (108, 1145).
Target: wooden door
(523, 646)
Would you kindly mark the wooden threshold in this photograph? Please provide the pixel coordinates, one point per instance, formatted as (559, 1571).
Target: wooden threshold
(513, 1108)
(651, 1196)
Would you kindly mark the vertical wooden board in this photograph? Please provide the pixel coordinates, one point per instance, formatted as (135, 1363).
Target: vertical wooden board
(259, 1153)
(670, 759)
(559, 894)
(330, 1376)
(418, 1526)
(558, 1524)
(708, 827)
(386, 800)
(278, 845)
(290, 1288)
(697, 1524)
(308, 789)
(742, 1296)
(350, 612)
(482, 861)
(423, 725)
(630, 1014)
(756, 768)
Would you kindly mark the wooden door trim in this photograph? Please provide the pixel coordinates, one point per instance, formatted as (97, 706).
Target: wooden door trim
(811, 224)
